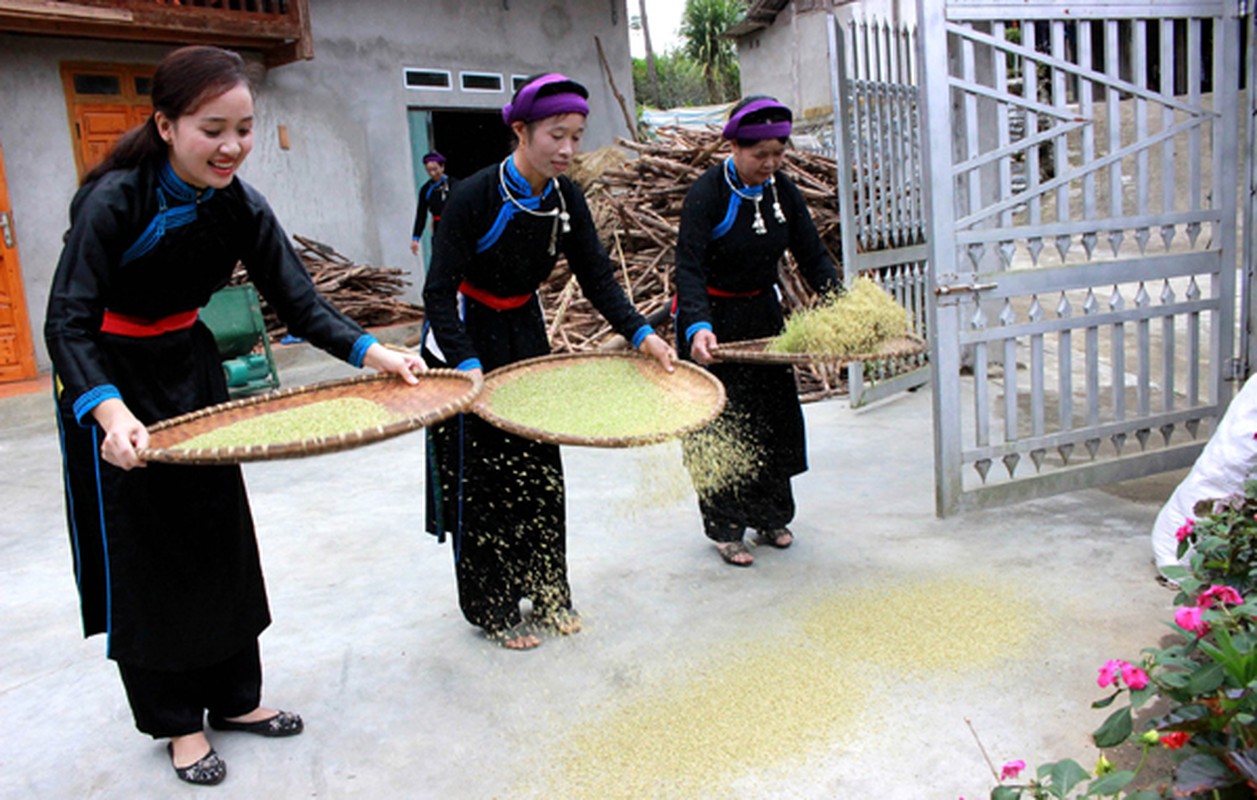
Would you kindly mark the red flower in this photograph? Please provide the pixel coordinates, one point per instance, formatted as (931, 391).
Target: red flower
(1175, 739)
(1222, 594)
(1011, 770)
(1185, 530)
(1135, 677)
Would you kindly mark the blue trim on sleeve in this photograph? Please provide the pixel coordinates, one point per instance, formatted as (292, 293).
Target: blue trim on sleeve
(92, 398)
(359, 350)
(641, 335)
(469, 365)
(695, 328)
(415, 238)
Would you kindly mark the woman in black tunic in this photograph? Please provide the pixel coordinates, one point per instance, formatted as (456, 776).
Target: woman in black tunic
(165, 556)
(728, 251)
(432, 196)
(501, 496)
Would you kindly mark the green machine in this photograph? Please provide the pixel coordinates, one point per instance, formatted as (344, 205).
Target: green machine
(234, 316)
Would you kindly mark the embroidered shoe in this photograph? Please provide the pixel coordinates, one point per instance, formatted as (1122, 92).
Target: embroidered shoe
(207, 771)
(283, 723)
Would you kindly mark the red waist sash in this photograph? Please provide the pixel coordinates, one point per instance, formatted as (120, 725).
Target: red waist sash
(492, 300)
(714, 292)
(138, 327)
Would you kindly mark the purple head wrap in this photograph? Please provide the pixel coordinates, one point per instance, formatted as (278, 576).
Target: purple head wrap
(434, 156)
(569, 97)
(738, 128)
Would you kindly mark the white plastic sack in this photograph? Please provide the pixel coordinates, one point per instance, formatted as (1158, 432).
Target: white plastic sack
(1229, 458)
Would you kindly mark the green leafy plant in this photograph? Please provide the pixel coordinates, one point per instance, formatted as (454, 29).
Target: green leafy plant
(1207, 677)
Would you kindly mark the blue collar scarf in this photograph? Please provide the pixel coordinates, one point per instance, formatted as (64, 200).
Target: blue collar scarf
(176, 207)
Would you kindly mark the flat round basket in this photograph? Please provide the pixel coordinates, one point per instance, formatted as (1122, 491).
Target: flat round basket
(599, 399)
(342, 414)
(754, 351)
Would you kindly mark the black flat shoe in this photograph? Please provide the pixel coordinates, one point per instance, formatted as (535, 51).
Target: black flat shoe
(207, 771)
(282, 724)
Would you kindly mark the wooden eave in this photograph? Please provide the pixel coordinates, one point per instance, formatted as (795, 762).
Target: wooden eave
(281, 38)
(760, 14)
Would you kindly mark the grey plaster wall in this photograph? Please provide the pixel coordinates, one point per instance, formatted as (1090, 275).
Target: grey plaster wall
(347, 178)
(789, 60)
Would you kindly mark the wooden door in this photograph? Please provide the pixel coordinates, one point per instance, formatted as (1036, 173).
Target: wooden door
(103, 101)
(17, 353)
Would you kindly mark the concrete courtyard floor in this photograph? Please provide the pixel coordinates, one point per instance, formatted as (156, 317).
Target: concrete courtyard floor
(850, 666)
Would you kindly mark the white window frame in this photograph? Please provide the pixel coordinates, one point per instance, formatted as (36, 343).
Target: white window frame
(449, 77)
(464, 74)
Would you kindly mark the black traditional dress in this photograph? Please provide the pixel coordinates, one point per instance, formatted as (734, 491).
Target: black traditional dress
(500, 496)
(165, 556)
(726, 282)
(432, 197)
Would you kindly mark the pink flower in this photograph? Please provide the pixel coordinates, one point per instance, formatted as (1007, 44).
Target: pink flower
(1108, 673)
(1189, 619)
(1175, 739)
(1223, 594)
(1185, 530)
(1135, 677)
(1011, 770)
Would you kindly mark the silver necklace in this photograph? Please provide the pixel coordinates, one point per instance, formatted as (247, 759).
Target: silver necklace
(758, 224)
(559, 214)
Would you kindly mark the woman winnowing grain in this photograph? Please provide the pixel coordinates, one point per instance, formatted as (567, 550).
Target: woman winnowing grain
(500, 496)
(738, 219)
(165, 557)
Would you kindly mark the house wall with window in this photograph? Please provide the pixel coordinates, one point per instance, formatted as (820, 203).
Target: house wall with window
(348, 175)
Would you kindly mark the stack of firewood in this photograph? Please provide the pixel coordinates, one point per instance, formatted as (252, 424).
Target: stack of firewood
(367, 295)
(636, 204)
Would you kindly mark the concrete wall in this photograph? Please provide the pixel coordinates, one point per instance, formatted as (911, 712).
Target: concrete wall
(789, 60)
(347, 178)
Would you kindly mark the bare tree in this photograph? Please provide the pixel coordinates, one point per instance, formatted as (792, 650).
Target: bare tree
(651, 72)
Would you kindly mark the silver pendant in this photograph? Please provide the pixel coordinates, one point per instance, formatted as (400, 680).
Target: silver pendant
(777, 212)
(566, 218)
(758, 225)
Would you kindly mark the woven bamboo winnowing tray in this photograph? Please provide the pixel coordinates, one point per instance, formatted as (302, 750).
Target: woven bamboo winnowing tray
(754, 351)
(688, 384)
(441, 393)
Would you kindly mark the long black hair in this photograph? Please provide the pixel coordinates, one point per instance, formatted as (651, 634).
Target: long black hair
(184, 79)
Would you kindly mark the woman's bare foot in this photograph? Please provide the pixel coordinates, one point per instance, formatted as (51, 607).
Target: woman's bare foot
(256, 715)
(735, 553)
(516, 637)
(187, 750)
(564, 622)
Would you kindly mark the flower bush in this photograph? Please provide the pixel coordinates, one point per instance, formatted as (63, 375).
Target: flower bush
(1207, 677)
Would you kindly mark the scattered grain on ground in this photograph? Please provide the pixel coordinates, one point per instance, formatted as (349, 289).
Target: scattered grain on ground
(701, 730)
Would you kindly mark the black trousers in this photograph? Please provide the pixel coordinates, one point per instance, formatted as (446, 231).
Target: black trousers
(764, 504)
(167, 704)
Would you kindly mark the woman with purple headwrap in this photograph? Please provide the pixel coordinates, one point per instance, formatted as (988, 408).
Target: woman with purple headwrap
(432, 196)
(736, 223)
(500, 496)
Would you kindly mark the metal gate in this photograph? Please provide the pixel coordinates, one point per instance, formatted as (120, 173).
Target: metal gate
(877, 138)
(1082, 183)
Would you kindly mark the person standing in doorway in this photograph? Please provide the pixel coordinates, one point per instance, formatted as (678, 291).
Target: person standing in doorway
(432, 196)
(737, 221)
(500, 496)
(165, 555)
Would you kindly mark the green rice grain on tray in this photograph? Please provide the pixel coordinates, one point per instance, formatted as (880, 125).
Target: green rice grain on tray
(325, 418)
(855, 322)
(601, 398)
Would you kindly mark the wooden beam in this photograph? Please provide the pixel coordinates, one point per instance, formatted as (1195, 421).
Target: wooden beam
(54, 8)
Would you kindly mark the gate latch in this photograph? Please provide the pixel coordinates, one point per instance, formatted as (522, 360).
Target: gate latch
(943, 291)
